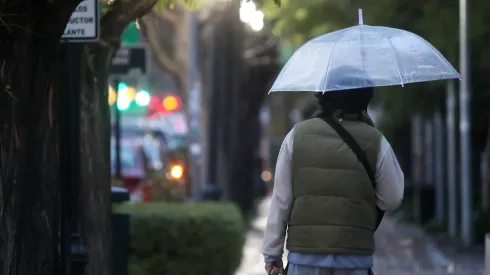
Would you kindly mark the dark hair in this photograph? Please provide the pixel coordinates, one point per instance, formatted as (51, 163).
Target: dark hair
(353, 100)
(350, 100)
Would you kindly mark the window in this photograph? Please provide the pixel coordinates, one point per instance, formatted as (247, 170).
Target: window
(129, 159)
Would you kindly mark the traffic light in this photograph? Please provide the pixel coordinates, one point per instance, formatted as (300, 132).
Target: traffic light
(126, 95)
(112, 96)
(122, 86)
(171, 103)
(168, 104)
(123, 103)
(142, 98)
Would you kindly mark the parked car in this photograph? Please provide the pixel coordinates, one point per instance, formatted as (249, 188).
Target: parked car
(141, 160)
(163, 142)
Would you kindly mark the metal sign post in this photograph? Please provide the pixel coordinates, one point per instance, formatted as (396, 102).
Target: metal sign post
(194, 112)
(129, 58)
(73, 254)
(83, 26)
(452, 192)
(117, 131)
(129, 63)
(465, 128)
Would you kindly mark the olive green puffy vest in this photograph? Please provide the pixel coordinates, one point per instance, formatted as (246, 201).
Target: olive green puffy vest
(334, 208)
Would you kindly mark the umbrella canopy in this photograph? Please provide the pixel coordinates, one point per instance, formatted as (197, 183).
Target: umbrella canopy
(384, 56)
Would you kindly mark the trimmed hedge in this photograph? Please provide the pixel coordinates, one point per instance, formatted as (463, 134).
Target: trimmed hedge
(184, 239)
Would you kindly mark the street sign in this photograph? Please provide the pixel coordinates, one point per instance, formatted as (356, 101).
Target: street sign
(83, 25)
(129, 58)
(131, 35)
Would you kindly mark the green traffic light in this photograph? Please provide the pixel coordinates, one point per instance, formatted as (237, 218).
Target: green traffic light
(142, 98)
(121, 86)
(123, 104)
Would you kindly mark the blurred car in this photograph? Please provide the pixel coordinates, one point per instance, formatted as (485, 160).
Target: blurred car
(163, 141)
(134, 132)
(141, 160)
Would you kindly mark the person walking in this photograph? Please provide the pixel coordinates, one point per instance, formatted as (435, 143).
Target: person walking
(330, 194)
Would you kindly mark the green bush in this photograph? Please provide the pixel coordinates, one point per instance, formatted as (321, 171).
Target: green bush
(184, 239)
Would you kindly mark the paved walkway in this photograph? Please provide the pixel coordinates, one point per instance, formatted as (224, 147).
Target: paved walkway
(400, 250)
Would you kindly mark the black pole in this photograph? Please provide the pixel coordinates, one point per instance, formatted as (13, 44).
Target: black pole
(212, 189)
(213, 113)
(73, 256)
(117, 130)
(64, 199)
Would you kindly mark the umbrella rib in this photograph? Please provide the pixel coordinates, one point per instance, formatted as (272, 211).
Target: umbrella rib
(330, 58)
(395, 51)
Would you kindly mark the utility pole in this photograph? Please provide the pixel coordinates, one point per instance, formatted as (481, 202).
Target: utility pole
(464, 128)
(213, 115)
(117, 131)
(439, 166)
(417, 164)
(428, 151)
(73, 255)
(194, 108)
(207, 176)
(451, 158)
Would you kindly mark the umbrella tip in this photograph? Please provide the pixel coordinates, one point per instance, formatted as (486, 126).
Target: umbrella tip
(361, 21)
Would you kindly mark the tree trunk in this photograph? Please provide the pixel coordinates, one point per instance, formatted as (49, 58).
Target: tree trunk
(95, 133)
(247, 136)
(29, 164)
(250, 85)
(95, 165)
(29, 183)
(238, 91)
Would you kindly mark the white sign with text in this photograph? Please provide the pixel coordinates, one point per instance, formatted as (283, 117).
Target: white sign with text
(84, 23)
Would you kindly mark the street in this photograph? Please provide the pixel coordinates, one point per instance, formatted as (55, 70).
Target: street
(400, 250)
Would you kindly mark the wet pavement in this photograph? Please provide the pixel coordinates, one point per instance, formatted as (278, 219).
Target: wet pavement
(401, 249)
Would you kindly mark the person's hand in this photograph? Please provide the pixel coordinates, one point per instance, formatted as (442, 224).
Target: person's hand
(274, 268)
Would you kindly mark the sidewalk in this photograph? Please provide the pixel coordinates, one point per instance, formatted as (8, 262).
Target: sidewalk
(401, 249)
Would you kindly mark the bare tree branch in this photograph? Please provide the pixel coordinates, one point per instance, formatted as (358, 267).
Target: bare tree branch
(260, 48)
(167, 15)
(260, 61)
(121, 13)
(176, 65)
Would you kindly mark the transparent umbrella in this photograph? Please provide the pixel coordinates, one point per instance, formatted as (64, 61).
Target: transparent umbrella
(362, 56)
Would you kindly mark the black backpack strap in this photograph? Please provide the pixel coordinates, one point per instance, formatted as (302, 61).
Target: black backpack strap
(360, 154)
